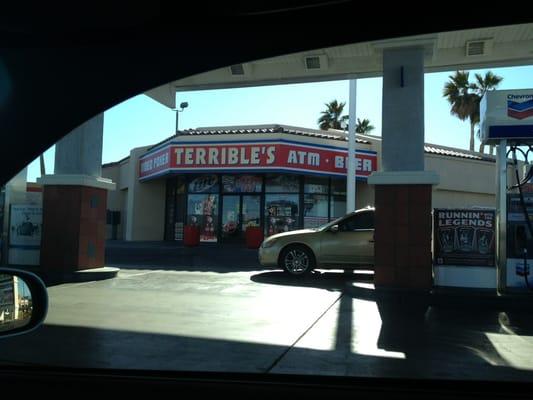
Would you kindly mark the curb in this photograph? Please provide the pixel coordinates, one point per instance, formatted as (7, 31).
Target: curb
(57, 278)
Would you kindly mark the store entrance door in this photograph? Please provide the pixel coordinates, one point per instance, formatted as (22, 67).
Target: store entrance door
(239, 211)
(251, 212)
(231, 218)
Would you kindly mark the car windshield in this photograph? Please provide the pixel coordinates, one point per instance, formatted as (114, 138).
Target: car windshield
(149, 222)
(329, 224)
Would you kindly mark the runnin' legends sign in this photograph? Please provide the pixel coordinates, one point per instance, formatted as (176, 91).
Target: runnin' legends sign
(464, 237)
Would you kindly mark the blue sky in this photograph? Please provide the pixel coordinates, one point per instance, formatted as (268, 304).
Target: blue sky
(141, 121)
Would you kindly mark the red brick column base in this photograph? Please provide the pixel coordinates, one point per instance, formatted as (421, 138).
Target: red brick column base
(403, 236)
(73, 236)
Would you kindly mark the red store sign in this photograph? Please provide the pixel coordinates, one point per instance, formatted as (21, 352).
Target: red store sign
(254, 157)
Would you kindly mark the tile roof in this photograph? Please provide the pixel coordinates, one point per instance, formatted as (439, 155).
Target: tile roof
(452, 152)
(110, 164)
(254, 129)
(330, 134)
(447, 151)
(258, 129)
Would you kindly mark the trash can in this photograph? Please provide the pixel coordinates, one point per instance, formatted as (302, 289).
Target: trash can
(191, 236)
(254, 237)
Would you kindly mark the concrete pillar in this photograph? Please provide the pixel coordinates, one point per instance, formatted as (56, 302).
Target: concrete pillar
(74, 202)
(403, 110)
(403, 188)
(80, 152)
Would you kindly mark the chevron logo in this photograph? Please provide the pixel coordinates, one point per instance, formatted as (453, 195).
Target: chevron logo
(520, 107)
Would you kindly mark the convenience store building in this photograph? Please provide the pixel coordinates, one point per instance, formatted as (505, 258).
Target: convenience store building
(276, 177)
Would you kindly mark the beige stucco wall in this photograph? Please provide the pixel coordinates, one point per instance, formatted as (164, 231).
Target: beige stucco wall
(458, 199)
(113, 196)
(145, 204)
(463, 182)
(141, 204)
(123, 213)
(464, 175)
(123, 179)
(364, 195)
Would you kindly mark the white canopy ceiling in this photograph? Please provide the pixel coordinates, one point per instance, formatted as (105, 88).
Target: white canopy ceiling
(468, 49)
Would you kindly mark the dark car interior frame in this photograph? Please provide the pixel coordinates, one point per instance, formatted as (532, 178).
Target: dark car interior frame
(61, 65)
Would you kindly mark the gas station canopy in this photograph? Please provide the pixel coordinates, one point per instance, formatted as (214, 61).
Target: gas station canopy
(502, 46)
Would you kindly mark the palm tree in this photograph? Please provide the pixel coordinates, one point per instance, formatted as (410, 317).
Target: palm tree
(459, 93)
(482, 86)
(363, 126)
(465, 97)
(331, 117)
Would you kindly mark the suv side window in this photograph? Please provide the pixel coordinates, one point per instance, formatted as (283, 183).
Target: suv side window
(362, 220)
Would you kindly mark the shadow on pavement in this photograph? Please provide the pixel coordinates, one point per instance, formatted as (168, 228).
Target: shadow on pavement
(207, 257)
(444, 339)
(80, 347)
(329, 280)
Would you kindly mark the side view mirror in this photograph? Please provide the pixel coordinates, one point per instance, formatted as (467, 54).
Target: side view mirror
(334, 228)
(23, 302)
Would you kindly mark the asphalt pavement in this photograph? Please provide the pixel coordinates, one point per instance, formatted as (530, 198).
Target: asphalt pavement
(247, 319)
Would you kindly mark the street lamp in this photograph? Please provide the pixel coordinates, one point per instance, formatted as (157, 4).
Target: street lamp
(183, 106)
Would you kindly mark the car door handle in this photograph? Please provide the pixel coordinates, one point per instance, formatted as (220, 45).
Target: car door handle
(371, 241)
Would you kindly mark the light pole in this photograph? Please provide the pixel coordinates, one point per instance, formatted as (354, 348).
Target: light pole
(351, 167)
(183, 106)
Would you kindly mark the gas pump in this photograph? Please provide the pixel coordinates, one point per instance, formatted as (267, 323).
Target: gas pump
(519, 225)
(506, 120)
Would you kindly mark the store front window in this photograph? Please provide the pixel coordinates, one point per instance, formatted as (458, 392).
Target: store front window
(240, 207)
(282, 202)
(176, 207)
(316, 185)
(202, 206)
(242, 183)
(231, 212)
(239, 212)
(224, 206)
(204, 184)
(282, 184)
(281, 213)
(202, 212)
(338, 199)
(315, 201)
(251, 211)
